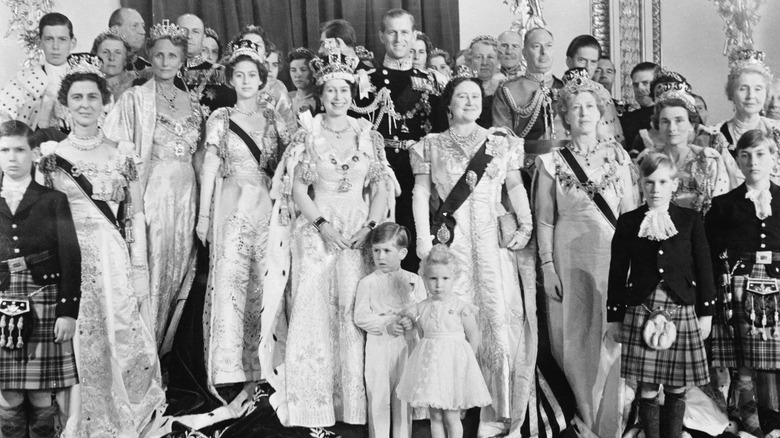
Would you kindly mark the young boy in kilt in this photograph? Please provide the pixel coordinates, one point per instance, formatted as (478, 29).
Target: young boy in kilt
(664, 248)
(743, 227)
(40, 262)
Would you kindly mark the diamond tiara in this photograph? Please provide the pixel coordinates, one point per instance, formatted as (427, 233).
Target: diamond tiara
(166, 29)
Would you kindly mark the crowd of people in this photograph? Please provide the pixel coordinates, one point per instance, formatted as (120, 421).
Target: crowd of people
(372, 236)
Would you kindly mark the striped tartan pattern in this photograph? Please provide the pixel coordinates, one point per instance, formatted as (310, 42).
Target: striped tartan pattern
(40, 363)
(743, 349)
(683, 364)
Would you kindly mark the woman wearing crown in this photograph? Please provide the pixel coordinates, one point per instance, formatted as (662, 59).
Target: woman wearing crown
(116, 353)
(336, 176)
(468, 167)
(747, 88)
(164, 123)
(700, 170)
(584, 185)
(113, 50)
(235, 209)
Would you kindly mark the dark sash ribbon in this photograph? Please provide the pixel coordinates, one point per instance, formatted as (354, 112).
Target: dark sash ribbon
(117, 221)
(254, 149)
(443, 221)
(599, 200)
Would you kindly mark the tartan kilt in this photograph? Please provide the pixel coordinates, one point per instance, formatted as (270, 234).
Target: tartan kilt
(683, 364)
(40, 363)
(744, 349)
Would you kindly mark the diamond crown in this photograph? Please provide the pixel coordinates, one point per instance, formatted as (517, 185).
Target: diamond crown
(748, 59)
(166, 29)
(333, 65)
(84, 63)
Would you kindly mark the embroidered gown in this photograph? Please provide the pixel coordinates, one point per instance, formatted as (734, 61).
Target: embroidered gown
(115, 350)
(169, 190)
(321, 379)
(489, 277)
(581, 253)
(702, 176)
(240, 213)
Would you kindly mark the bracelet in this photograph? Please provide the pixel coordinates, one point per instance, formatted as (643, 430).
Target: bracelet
(319, 222)
(370, 225)
(547, 262)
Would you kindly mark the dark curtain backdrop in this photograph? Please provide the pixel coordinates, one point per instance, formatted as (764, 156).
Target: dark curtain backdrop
(294, 23)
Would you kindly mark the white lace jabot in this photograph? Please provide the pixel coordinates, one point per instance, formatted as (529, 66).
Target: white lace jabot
(762, 199)
(13, 191)
(657, 225)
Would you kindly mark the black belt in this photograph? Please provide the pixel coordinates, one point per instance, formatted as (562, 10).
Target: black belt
(759, 257)
(19, 264)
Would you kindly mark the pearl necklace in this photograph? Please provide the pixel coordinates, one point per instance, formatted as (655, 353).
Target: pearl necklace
(86, 144)
(333, 131)
(740, 127)
(585, 155)
(246, 113)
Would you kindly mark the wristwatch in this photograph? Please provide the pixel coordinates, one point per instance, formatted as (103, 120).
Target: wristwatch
(370, 224)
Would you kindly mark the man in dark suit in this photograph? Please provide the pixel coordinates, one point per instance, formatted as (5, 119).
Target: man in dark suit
(40, 270)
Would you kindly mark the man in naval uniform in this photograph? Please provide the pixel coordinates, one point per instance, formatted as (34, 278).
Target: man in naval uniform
(415, 111)
(199, 75)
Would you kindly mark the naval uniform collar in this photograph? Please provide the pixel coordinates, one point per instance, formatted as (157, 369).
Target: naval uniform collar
(397, 64)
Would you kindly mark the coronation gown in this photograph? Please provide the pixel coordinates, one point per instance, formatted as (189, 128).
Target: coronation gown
(321, 378)
(581, 252)
(169, 192)
(702, 176)
(489, 280)
(115, 350)
(240, 214)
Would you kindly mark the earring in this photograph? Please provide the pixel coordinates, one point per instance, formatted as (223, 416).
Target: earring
(178, 75)
(68, 119)
(101, 119)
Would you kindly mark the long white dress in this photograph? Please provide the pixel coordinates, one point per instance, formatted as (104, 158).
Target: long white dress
(318, 377)
(489, 277)
(581, 253)
(116, 352)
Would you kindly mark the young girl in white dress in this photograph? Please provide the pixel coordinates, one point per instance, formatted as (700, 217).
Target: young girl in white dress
(442, 373)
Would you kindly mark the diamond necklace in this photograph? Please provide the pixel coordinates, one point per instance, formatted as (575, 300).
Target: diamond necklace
(171, 100)
(464, 141)
(331, 130)
(585, 155)
(86, 144)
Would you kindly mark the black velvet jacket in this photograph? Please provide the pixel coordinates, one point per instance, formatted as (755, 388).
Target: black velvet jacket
(681, 261)
(43, 222)
(732, 225)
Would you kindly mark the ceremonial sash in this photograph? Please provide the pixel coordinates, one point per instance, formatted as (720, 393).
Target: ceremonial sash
(443, 221)
(247, 139)
(599, 200)
(86, 187)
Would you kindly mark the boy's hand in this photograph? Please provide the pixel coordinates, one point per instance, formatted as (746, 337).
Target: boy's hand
(64, 329)
(407, 323)
(395, 328)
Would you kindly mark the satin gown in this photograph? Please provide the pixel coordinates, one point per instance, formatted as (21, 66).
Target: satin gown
(115, 350)
(489, 277)
(170, 207)
(581, 252)
(240, 214)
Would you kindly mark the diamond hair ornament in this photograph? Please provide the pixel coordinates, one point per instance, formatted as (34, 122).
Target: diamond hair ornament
(487, 39)
(333, 65)
(166, 29)
(576, 81)
(464, 71)
(748, 60)
(84, 63)
(676, 90)
(244, 48)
